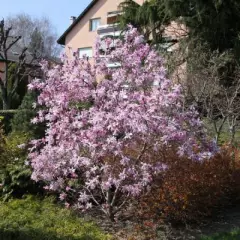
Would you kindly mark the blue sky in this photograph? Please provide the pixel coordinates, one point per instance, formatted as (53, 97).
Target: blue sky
(58, 11)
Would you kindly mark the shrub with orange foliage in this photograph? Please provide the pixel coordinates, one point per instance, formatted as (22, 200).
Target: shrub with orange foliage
(234, 152)
(189, 190)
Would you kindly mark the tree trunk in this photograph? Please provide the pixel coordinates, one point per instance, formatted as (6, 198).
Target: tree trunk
(5, 100)
(111, 214)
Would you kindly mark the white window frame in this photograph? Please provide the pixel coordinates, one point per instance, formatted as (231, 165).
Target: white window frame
(91, 29)
(88, 51)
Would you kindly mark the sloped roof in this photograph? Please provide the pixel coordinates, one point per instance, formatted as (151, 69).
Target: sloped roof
(61, 40)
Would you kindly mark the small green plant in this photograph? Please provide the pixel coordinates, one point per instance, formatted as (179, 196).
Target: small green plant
(41, 219)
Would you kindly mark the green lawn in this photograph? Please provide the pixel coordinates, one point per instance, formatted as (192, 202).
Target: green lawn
(225, 135)
(233, 235)
(33, 219)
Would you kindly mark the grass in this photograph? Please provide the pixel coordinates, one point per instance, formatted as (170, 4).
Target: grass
(225, 135)
(33, 219)
(233, 235)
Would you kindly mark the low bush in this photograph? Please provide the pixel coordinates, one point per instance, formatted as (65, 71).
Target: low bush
(21, 121)
(2, 137)
(35, 219)
(15, 175)
(189, 190)
(6, 118)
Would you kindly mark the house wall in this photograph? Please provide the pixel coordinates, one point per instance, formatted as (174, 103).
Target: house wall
(80, 36)
(2, 68)
(177, 31)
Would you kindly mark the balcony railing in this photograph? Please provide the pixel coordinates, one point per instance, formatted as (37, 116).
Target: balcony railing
(112, 30)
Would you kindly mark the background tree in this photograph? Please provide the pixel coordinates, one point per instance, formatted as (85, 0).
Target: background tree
(213, 22)
(38, 32)
(206, 61)
(149, 18)
(36, 44)
(15, 70)
(217, 103)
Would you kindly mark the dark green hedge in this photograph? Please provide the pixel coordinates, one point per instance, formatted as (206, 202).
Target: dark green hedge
(7, 118)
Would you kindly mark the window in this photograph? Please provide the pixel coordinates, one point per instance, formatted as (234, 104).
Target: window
(113, 17)
(167, 44)
(85, 51)
(94, 24)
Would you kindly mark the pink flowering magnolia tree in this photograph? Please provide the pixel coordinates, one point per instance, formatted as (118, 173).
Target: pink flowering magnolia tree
(105, 124)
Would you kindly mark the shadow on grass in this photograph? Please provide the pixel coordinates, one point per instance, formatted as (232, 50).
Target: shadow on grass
(33, 234)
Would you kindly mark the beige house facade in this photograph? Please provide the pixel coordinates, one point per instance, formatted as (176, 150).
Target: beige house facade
(97, 19)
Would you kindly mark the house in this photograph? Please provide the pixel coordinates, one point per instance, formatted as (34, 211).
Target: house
(97, 19)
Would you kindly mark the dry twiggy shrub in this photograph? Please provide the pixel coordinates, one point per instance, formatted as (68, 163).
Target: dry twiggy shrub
(189, 190)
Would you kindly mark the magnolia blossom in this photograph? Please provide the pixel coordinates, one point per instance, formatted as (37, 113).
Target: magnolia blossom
(104, 125)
